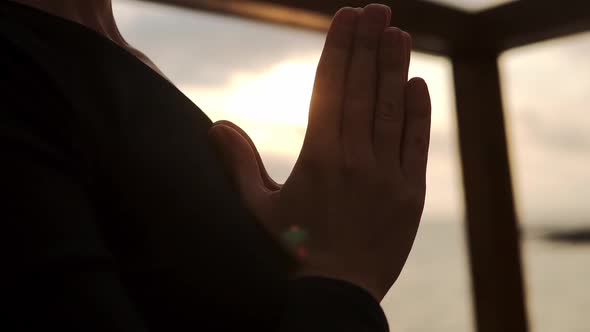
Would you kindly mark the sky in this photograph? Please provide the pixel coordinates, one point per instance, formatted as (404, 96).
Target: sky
(472, 5)
(260, 76)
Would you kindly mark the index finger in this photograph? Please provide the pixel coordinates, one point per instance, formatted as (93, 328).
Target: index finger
(325, 110)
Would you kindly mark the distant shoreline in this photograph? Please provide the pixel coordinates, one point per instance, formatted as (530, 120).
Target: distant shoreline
(578, 236)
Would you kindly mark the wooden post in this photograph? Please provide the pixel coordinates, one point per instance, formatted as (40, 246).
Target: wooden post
(491, 219)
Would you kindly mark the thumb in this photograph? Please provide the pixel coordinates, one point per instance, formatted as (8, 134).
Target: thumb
(241, 163)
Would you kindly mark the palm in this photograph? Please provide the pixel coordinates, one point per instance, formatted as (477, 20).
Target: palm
(359, 183)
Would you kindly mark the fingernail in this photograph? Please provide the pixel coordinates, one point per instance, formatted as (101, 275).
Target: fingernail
(392, 37)
(406, 35)
(220, 132)
(406, 40)
(345, 16)
(377, 13)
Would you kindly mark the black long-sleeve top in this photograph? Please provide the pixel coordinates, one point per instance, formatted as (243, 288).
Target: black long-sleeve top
(116, 214)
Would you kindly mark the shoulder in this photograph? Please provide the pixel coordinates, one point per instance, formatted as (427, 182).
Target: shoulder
(29, 49)
(26, 84)
(18, 66)
(32, 107)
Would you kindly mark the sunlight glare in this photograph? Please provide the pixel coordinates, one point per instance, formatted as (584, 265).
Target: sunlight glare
(271, 106)
(279, 96)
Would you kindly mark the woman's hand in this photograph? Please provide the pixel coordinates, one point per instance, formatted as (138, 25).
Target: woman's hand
(358, 186)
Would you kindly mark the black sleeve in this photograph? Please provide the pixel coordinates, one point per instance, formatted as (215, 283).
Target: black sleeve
(318, 304)
(56, 271)
(59, 273)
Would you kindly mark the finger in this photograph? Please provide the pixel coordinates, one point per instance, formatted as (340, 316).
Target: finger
(361, 85)
(416, 131)
(240, 161)
(268, 181)
(408, 41)
(389, 113)
(328, 91)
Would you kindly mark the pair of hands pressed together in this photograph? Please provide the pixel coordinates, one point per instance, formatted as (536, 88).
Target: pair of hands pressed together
(358, 185)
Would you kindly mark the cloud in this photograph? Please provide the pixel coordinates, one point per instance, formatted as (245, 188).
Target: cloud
(567, 134)
(472, 5)
(161, 32)
(546, 88)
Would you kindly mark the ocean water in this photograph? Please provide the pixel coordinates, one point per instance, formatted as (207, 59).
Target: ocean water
(434, 290)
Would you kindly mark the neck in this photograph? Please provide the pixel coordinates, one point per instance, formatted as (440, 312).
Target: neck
(94, 14)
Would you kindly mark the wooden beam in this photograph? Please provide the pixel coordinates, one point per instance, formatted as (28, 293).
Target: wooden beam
(491, 219)
(529, 21)
(266, 11)
(434, 28)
